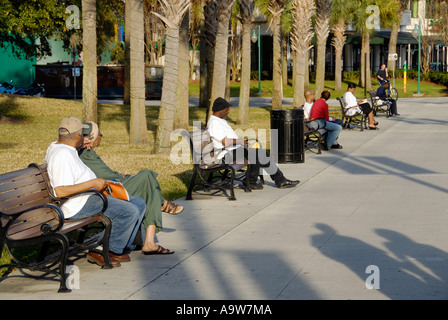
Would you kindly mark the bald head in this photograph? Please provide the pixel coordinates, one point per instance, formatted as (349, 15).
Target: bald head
(309, 95)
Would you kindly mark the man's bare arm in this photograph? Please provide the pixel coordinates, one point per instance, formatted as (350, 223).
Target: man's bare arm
(231, 142)
(66, 191)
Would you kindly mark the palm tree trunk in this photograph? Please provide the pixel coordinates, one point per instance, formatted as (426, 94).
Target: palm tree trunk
(322, 31)
(307, 70)
(243, 115)
(320, 67)
(365, 80)
(220, 61)
(89, 80)
(338, 70)
(207, 53)
(277, 65)
(285, 60)
(299, 79)
(127, 58)
(394, 32)
(138, 131)
(181, 115)
(301, 35)
(338, 43)
(393, 44)
(167, 104)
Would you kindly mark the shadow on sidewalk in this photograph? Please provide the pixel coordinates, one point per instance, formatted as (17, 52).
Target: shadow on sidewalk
(408, 270)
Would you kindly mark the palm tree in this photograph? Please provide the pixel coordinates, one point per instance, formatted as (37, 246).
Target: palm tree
(340, 10)
(89, 80)
(274, 9)
(174, 12)
(246, 12)
(322, 29)
(137, 130)
(301, 33)
(127, 58)
(207, 41)
(218, 85)
(402, 5)
(195, 26)
(361, 18)
(181, 114)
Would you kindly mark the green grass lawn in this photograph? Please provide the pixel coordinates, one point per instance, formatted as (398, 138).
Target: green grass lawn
(29, 124)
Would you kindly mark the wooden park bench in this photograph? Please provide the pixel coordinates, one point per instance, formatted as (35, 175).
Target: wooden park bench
(379, 105)
(314, 138)
(30, 215)
(209, 173)
(356, 119)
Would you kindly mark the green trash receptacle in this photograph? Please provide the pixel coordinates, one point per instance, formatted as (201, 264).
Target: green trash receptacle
(289, 124)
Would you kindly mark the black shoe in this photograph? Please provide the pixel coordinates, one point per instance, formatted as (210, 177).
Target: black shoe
(396, 114)
(256, 186)
(336, 146)
(285, 183)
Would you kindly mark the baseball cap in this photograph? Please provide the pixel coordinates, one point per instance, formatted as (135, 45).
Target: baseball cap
(70, 125)
(92, 130)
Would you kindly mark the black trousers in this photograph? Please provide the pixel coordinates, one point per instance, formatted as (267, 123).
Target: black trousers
(393, 106)
(258, 158)
(366, 108)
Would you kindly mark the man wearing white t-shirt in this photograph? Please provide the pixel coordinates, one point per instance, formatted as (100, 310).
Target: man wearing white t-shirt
(308, 104)
(69, 176)
(229, 148)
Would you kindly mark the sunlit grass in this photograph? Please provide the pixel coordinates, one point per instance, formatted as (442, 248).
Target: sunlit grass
(28, 125)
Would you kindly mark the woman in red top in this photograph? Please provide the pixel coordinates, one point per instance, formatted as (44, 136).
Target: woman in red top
(319, 113)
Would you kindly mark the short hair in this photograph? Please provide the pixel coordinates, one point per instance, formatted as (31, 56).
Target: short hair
(386, 85)
(325, 95)
(351, 85)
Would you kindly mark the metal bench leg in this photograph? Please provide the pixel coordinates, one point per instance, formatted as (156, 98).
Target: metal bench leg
(63, 263)
(190, 188)
(232, 191)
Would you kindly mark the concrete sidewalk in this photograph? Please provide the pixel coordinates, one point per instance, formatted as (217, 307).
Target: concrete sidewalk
(366, 222)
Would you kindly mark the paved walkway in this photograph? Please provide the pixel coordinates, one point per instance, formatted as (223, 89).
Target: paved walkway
(373, 213)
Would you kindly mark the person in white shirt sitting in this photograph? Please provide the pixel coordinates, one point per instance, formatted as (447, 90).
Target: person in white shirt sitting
(69, 176)
(230, 148)
(308, 104)
(353, 106)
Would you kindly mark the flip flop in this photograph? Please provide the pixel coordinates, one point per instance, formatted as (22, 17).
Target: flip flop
(160, 250)
(172, 208)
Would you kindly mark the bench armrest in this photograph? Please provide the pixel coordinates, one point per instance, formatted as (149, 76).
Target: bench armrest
(8, 219)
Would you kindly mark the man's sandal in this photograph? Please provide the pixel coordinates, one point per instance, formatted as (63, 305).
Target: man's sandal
(171, 207)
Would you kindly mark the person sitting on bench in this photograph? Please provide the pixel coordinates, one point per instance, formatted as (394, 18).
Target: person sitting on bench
(320, 114)
(354, 106)
(69, 175)
(230, 148)
(381, 93)
(143, 184)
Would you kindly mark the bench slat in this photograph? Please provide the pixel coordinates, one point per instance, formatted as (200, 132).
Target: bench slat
(18, 204)
(30, 228)
(18, 182)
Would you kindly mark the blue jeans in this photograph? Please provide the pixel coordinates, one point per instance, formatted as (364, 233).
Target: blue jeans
(333, 130)
(126, 218)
